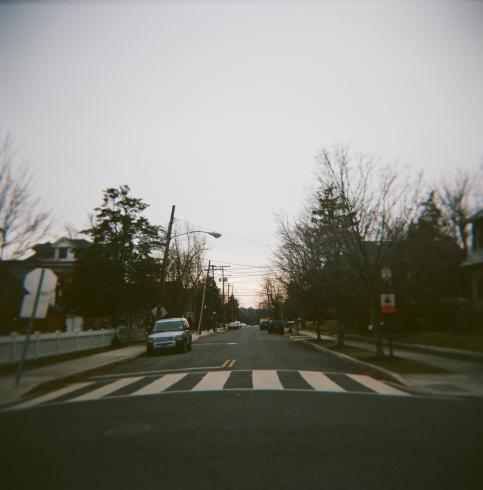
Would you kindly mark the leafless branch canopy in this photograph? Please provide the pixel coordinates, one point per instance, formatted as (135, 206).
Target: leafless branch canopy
(23, 222)
(186, 258)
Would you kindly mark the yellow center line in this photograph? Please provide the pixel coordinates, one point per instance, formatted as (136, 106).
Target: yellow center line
(232, 363)
(225, 364)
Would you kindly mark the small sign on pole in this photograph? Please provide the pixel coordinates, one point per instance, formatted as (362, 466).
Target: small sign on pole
(40, 283)
(388, 303)
(386, 273)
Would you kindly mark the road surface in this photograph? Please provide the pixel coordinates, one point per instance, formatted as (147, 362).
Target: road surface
(243, 410)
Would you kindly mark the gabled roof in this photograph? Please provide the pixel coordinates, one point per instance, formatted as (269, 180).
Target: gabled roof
(477, 216)
(73, 242)
(46, 250)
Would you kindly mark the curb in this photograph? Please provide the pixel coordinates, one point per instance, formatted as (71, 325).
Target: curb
(461, 355)
(394, 377)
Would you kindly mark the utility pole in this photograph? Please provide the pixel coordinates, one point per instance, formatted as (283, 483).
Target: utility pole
(228, 301)
(269, 302)
(164, 268)
(223, 279)
(203, 298)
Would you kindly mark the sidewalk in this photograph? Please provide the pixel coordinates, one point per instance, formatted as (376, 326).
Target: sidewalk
(57, 371)
(465, 378)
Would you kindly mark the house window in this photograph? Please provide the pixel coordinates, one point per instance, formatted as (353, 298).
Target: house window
(63, 252)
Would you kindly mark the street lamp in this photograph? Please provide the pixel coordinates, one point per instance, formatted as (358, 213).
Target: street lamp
(214, 234)
(166, 247)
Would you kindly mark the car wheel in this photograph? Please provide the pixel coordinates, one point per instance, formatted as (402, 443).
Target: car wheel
(149, 352)
(190, 346)
(184, 347)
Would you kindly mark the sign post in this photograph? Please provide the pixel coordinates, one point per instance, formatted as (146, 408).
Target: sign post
(43, 282)
(388, 302)
(388, 306)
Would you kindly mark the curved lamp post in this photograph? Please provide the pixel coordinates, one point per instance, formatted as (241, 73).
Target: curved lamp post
(166, 249)
(214, 234)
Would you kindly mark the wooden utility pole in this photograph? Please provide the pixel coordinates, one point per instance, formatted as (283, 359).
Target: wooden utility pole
(223, 267)
(164, 269)
(203, 298)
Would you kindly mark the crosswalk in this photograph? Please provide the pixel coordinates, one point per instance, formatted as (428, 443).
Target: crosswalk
(225, 380)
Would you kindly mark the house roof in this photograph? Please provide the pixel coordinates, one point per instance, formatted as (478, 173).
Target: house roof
(46, 250)
(477, 216)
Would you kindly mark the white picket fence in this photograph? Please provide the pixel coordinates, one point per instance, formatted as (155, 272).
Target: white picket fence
(43, 345)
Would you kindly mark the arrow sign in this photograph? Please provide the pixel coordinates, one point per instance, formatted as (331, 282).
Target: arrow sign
(388, 303)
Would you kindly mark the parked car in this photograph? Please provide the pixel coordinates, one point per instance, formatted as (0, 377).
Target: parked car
(264, 324)
(169, 334)
(276, 326)
(233, 325)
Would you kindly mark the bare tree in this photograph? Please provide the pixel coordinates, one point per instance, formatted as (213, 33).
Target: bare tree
(185, 269)
(23, 222)
(458, 200)
(359, 214)
(273, 292)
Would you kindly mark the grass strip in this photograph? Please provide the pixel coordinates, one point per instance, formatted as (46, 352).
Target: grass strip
(395, 364)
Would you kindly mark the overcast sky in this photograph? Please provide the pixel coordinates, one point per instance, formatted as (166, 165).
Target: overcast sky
(220, 107)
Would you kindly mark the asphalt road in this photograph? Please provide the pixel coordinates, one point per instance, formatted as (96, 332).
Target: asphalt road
(289, 436)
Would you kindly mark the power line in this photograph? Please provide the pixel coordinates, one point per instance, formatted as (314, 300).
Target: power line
(246, 265)
(256, 242)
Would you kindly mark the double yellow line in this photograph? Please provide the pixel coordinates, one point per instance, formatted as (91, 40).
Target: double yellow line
(229, 363)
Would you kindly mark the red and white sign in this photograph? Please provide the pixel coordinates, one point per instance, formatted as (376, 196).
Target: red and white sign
(388, 303)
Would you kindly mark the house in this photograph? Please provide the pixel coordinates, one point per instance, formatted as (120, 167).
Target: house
(474, 263)
(60, 254)
(60, 258)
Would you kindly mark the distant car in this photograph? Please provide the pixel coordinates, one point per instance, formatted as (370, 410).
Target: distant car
(276, 326)
(264, 324)
(233, 325)
(169, 334)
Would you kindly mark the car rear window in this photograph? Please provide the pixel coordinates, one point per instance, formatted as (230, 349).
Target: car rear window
(168, 326)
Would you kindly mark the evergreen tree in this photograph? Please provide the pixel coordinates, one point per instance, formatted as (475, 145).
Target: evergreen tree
(117, 276)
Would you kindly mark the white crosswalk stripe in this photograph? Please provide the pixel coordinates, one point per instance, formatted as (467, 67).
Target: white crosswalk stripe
(52, 395)
(261, 379)
(266, 380)
(106, 390)
(320, 382)
(213, 381)
(160, 384)
(375, 385)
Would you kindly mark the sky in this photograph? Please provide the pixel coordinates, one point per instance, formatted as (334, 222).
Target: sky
(220, 107)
